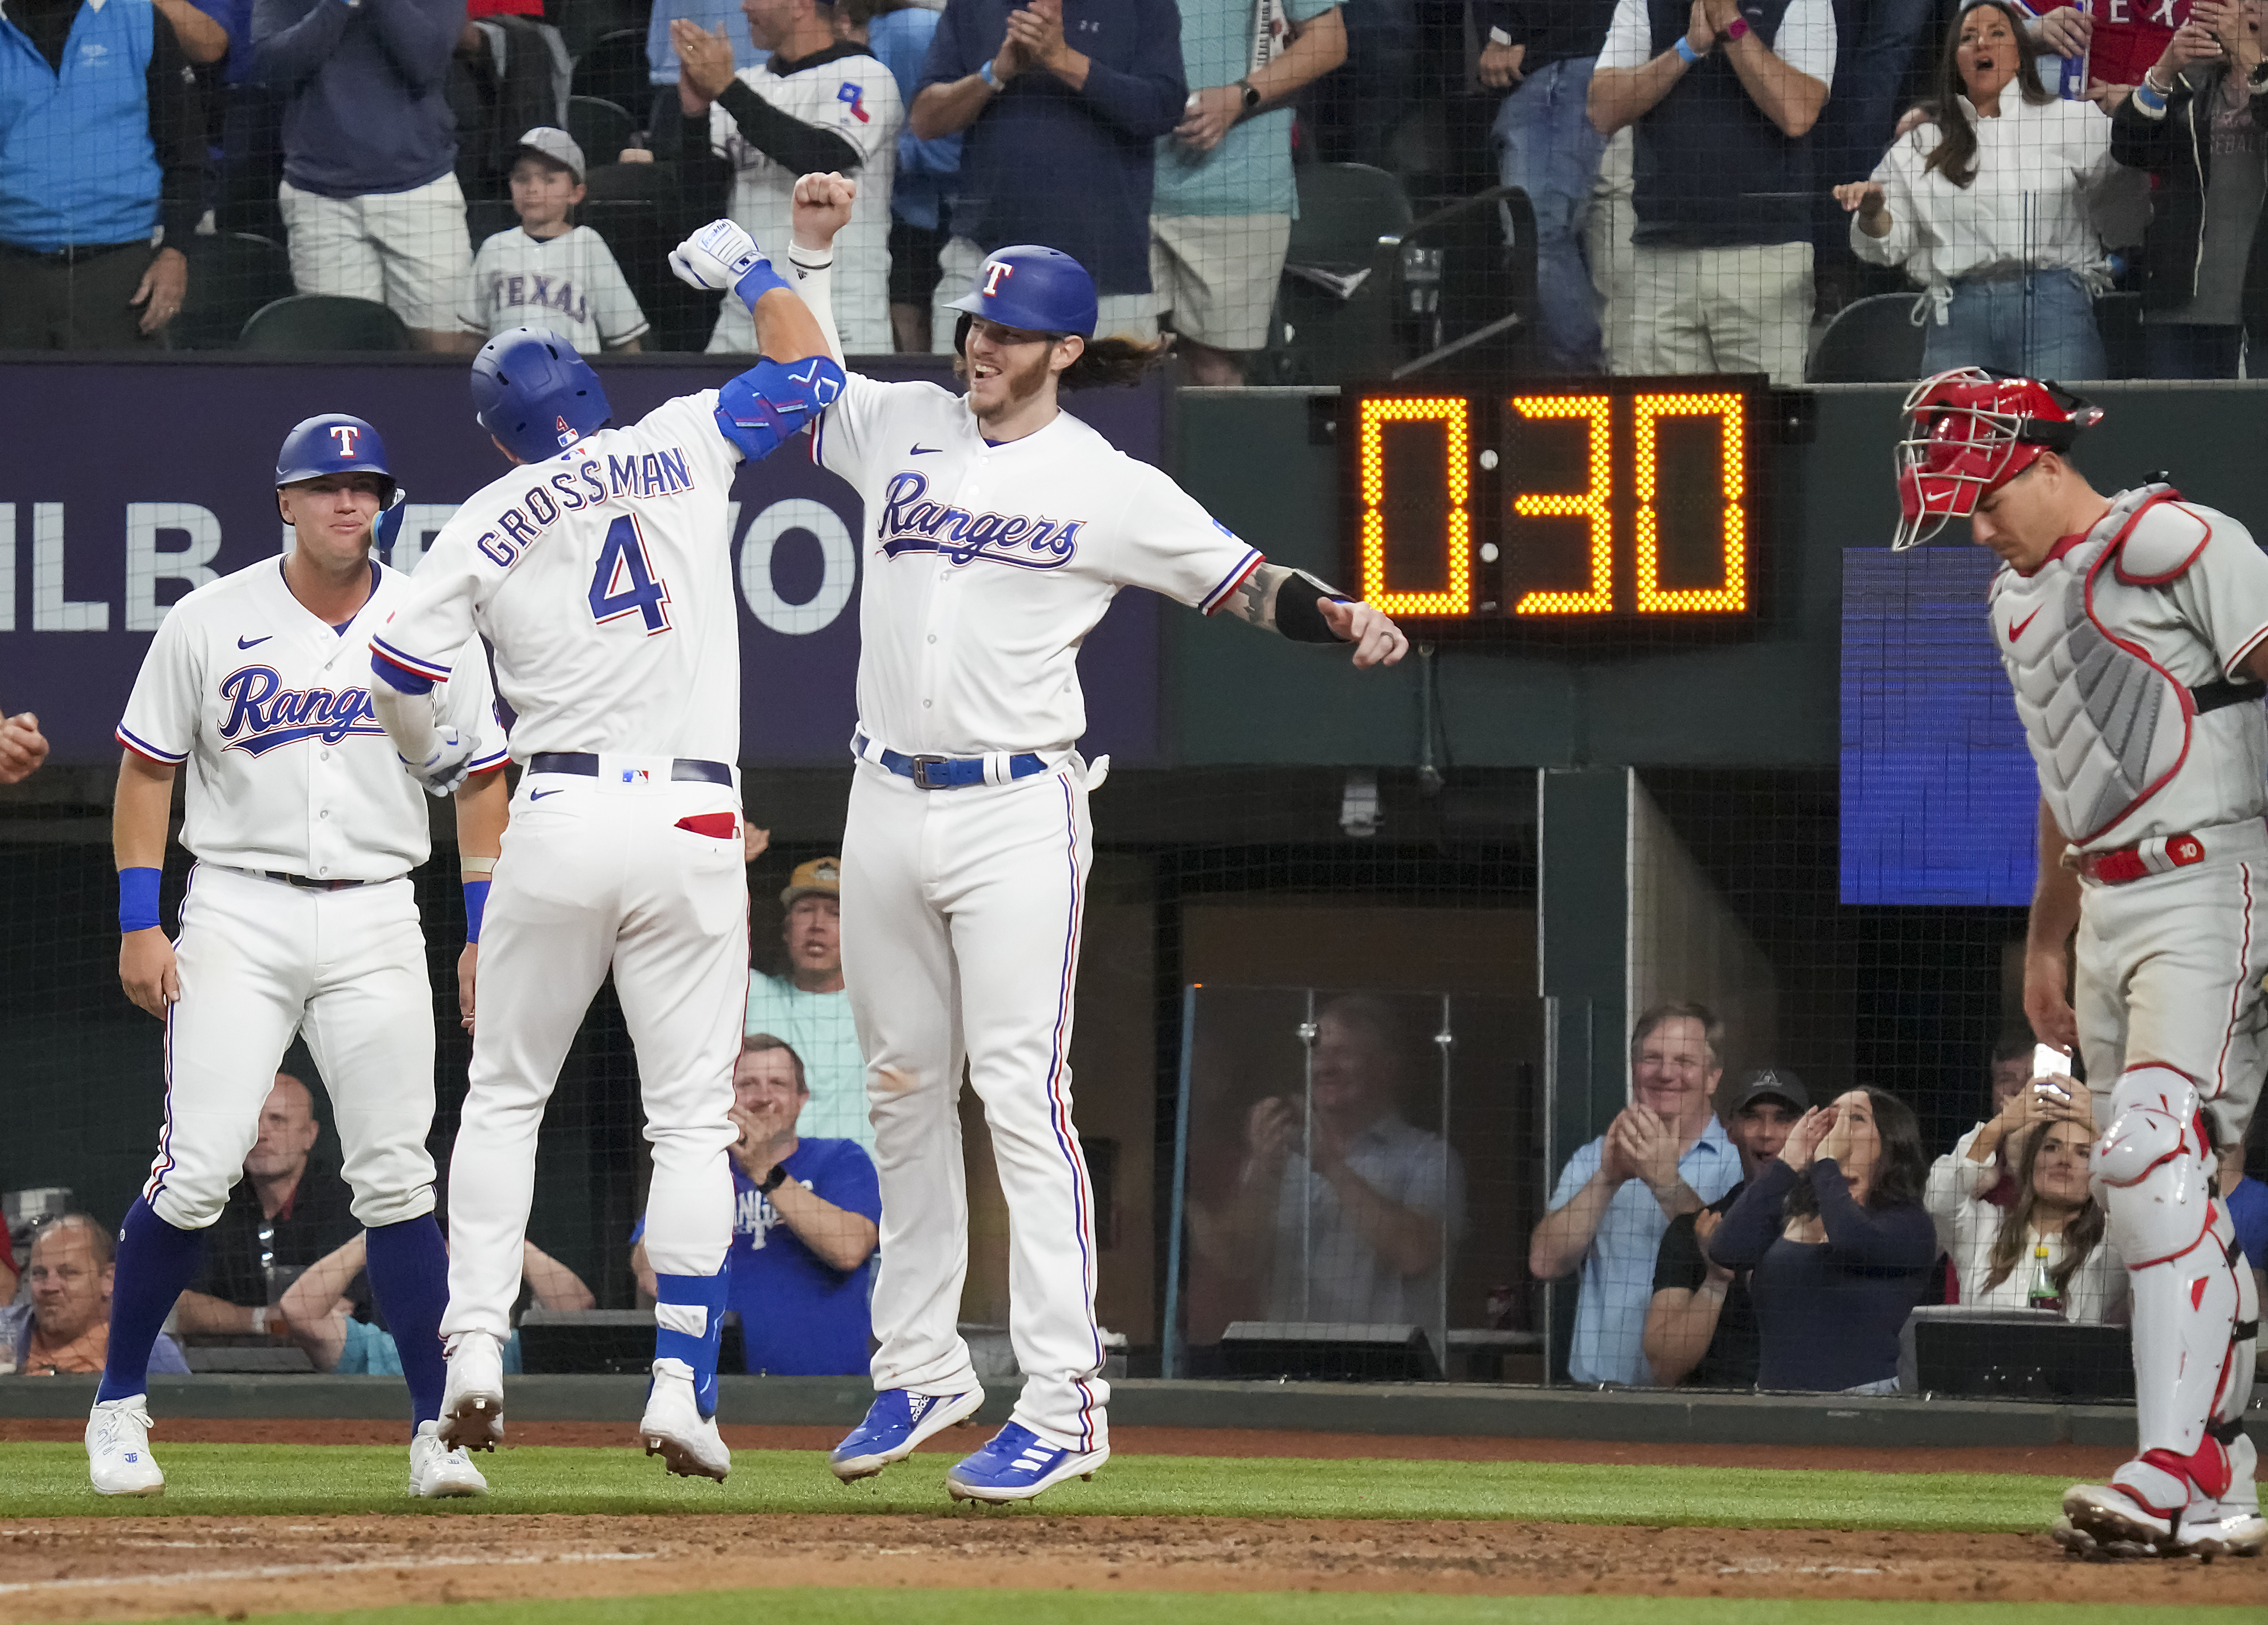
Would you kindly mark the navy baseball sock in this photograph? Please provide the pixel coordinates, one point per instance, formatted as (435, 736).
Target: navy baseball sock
(676, 1298)
(156, 1263)
(408, 1266)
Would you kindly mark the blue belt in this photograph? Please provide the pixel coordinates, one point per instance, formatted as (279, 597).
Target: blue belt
(940, 772)
(586, 763)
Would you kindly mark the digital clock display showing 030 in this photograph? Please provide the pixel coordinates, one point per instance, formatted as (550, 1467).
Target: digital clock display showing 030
(1613, 510)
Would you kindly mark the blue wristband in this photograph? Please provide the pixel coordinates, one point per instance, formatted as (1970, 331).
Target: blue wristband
(2147, 99)
(1686, 54)
(476, 902)
(138, 899)
(759, 280)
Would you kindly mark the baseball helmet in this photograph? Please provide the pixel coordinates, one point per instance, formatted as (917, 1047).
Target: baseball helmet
(331, 443)
(535, 395)
(1040, 290)
(1970, 431)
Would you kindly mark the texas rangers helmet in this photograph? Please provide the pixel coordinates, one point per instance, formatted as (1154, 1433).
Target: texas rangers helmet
(1970, 431)
(535, 395)
(333, 443)
(1040, 290)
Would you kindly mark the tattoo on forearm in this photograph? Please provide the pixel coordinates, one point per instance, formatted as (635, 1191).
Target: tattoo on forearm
(1255, 599)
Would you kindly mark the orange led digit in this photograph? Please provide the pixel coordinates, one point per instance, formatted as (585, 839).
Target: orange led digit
(1732, 598)
(1592, 505)
(1452, 413)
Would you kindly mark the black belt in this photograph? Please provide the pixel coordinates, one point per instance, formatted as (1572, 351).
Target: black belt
(2213, 696)
(305, 885)
(76, 254)
(586, 763)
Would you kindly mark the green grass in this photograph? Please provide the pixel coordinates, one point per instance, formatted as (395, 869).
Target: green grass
(972, 1608)
(47, 1481)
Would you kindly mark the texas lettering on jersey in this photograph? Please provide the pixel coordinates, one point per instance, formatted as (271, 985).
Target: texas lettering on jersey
(909, 524)
(595, 479)
(536, 289)
(264, 714)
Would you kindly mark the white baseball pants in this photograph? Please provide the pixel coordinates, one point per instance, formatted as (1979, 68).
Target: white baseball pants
(960, 925)
(598, 874)
(261, 960)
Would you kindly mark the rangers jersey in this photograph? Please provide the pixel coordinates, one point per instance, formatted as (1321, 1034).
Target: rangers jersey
(2121, 647)
(289, 770)
(986, 565)
(853, 95)
(569, 286)
(604, 579)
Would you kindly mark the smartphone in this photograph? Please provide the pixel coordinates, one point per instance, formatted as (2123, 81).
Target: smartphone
(2048, 1061)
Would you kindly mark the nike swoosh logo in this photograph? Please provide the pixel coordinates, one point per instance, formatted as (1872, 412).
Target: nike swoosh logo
(249, 643)
(923, 451)
(2017, 631)
(537, 796)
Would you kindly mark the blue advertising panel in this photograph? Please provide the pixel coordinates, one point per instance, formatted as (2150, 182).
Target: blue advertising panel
(128, 482)
(1939, 800)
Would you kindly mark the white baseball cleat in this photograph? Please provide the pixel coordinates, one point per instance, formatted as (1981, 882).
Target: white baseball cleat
(472, 1403)
(675, 1429)
(2110, 1520)
(437, 1471)
(118, 1459)
(2221, 1531)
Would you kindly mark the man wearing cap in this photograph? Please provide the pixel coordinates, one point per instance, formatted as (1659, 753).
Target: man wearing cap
(546, 272)
(807, 1007)
(1701, 1327)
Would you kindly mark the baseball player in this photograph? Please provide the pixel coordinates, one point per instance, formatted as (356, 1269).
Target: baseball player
(300, 918)
(600, 569)
(1000, 527)
(2134, 629)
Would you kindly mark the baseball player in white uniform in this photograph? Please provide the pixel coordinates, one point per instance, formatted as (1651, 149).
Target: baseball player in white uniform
(999, 529)
(2134, 629)
(600, 569)
(300, 918)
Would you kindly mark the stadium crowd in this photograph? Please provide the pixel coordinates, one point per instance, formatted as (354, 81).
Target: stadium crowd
(2075, 193)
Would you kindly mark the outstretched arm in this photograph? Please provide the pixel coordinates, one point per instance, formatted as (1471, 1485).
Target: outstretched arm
(1307, 611)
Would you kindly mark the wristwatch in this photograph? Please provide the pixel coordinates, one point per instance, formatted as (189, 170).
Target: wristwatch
(773, 1181)
(1736, 28)
(1252, 97)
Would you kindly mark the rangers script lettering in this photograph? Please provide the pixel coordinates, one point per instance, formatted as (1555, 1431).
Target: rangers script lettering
(264, 714)
(910, 525)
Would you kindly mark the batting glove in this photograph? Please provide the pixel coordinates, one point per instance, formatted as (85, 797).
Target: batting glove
(721, 255)
(447, 767)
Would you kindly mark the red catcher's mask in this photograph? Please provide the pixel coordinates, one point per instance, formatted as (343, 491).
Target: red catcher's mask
(1970, 431)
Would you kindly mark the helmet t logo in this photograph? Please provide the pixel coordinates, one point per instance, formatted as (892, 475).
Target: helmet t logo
(346, 434)
(997, 272)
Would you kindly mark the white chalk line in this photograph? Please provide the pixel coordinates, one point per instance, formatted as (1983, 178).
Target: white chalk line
(280, 1571)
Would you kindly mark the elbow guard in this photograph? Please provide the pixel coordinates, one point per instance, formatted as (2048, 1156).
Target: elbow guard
(1298, 609)
(770, 402)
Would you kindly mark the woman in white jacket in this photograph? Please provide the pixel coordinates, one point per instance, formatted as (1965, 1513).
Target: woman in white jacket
(1990, 204)
(1994, 1248)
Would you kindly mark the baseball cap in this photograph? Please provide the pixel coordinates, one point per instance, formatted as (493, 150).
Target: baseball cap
(1769, 1084)
(821, 877)
(555, 145)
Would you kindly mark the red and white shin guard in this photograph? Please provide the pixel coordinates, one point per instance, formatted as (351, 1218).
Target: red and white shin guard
(2189, 1488)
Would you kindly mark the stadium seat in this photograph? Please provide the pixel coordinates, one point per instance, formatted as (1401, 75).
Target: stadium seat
(642, 213)
(485, 216)
(2119, 319)
(230, 277)
(614, 70)
(1333, 319)
(601, 128)
(584, 23)
(1871, 341)
(324, 322)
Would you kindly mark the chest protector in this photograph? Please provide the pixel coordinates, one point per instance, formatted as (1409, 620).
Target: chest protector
(2108, 725)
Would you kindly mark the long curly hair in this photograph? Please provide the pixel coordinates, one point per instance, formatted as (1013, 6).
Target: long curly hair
(1901, 1169)
(2082, 1233)
(1117, 362)
(1955, 158)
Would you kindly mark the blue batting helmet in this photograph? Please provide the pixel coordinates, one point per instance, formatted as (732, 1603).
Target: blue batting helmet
(1041, 290)
(535, 395)
(331, 443)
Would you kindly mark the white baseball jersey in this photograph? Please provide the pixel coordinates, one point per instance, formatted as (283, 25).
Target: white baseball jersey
(289, 770)
(986, 565)
(569, 286)
(2103, 642)
(604, 579)
(856, 97)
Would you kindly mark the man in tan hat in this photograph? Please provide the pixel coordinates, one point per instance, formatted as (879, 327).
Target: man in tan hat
(808, 1007)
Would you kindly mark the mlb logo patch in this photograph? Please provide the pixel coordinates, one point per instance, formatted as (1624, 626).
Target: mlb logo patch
(566, 434)
(635, 775)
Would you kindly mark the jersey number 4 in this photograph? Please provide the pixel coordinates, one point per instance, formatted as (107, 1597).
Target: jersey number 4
(624, 582)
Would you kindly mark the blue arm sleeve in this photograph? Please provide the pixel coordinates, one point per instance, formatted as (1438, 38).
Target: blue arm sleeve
(1751, 1224)
(773, 401)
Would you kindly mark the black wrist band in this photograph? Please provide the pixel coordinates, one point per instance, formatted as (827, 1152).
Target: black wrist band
(773, 1181)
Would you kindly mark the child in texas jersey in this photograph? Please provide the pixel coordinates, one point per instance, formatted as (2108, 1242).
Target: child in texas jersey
(546, 272)
(998, 530)
(300, 916)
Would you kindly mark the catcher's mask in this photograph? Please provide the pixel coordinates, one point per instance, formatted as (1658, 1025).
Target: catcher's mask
(1970, 431)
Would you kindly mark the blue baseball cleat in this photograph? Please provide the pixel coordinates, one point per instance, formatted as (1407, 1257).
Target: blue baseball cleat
(896, 1423)
(1016, 1465)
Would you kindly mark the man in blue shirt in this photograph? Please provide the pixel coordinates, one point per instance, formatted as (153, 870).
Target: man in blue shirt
(807, 1217)
(1665, 1154)
(1063, 101)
